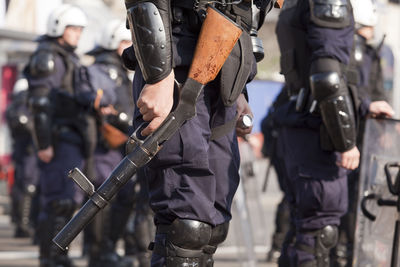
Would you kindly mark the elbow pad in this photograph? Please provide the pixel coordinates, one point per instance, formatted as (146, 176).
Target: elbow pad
(150, 25)
(336, 108)
(331, 13)
(41, 110)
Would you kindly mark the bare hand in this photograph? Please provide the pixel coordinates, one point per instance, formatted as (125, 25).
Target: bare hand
(46, 155)
(155, 102)
(349, 159)
(243, 108)
(381, 108)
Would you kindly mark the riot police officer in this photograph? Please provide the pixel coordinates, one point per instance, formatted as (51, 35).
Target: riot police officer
(193, 178)
(26, 177)
(319, 123)
(60, 99)
(110, 78)
(366, 58)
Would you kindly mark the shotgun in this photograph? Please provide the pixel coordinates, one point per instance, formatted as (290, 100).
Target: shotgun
(217, 37)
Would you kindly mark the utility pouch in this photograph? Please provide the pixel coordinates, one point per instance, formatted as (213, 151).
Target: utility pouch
(236, 70)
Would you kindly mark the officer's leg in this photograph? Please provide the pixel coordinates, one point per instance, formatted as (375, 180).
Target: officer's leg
(59, 198)
(144, 227)
(314, 246)
(110, 225)
(282, 225)
(320, 204)
(282, 217)
(58, 214)
(343, 253)
(180, 244)
(218, 235)
(144, 233)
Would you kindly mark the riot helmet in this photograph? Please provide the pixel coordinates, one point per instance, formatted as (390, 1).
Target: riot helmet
(365, 13)
(63, 16)
(112, 35)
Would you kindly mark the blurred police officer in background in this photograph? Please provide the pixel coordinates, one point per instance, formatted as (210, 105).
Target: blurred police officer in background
(115, 108)
(25, 162)
(319, 133)
(272, 150)
(193, 178)
(366, 58)
(60, 99)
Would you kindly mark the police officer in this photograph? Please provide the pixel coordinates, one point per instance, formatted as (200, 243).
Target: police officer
(366, 58)
(110, 78)
(25, 161)
(193, 178)
(60, 98)
(319, 133)
(319, 126)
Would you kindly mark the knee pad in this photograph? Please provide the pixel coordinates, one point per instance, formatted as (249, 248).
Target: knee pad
(184, 241)
(326, 238)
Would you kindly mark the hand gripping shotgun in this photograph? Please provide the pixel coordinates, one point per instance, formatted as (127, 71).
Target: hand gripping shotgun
(217, 38)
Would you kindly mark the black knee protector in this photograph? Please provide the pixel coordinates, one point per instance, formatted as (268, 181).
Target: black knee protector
(325, 239)
(218, 235)
(184, 243)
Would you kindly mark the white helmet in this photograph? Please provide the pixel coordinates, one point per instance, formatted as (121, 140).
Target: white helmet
(114, 32)
(63, 16)
(365, 12)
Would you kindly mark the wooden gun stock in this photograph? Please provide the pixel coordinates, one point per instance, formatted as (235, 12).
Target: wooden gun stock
(217, 38)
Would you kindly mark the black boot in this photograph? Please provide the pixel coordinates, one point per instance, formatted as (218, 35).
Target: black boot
(50, 254)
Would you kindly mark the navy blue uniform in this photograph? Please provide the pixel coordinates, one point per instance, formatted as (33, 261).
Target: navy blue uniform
(316, 186)
(26, 176)
(60, 98)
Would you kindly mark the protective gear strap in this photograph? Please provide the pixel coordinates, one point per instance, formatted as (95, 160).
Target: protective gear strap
(331, 13)
(335, 104)
(150, 25)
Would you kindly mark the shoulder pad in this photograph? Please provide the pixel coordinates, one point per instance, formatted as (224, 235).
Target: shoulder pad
(42, 64)
(331, 13)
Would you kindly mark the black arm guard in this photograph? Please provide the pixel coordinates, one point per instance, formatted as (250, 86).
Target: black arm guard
(150, 25)
(331, 13)
(336, 108)
(41, 110)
